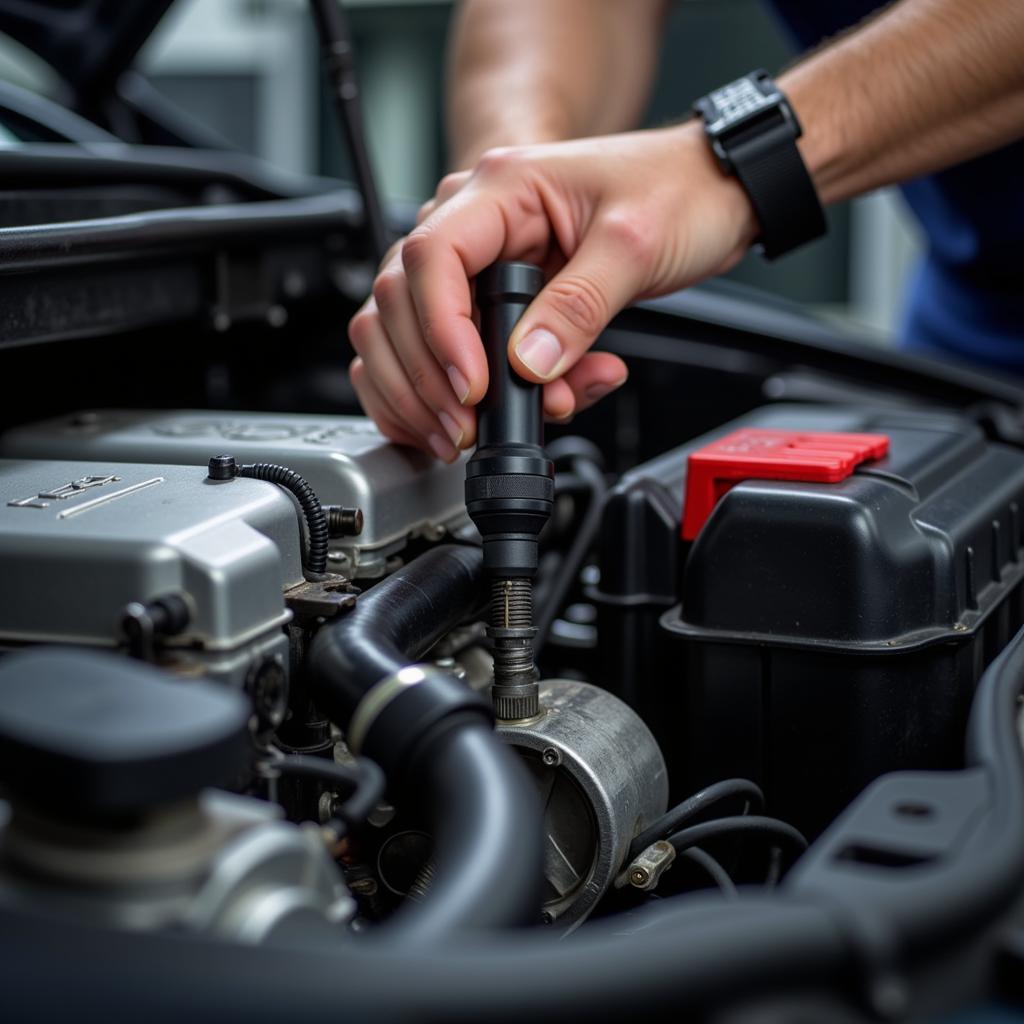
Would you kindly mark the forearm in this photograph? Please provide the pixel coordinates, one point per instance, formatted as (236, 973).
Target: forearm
(526, 71)
(926, 84)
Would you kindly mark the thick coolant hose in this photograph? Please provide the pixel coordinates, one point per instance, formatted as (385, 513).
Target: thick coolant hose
(394, 624)
(434, 739)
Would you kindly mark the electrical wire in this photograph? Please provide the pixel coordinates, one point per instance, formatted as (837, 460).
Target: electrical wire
(589, 474)
(784, 834)
(363, 783)
(713, 868)
(679, 815)
(315, 560)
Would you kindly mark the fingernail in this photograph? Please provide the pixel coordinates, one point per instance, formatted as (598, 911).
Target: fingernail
(459, 383)
(452, 428)
(600, 389)
(541, 351)
(441, 448)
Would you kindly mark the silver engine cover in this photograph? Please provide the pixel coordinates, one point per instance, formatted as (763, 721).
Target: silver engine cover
(79, 541)
(402, 492)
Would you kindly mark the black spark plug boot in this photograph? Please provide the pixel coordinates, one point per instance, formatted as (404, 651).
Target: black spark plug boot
(509, 487)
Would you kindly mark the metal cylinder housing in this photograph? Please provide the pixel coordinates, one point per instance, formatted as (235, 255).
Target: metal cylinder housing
(602, 779)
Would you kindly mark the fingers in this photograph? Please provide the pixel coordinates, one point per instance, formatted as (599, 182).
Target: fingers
(439, 272)
(440, 392)
(496, 215)
(449, 185)
(387, 394)
(376, 408)
(597, 374)
(564, 320)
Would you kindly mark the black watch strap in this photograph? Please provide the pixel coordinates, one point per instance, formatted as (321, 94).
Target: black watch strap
(773, 174)
(753, 130)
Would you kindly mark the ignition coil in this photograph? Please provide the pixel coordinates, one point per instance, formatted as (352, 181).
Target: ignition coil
(509, 488)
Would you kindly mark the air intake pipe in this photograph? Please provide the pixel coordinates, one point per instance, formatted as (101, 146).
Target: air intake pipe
(433, 737)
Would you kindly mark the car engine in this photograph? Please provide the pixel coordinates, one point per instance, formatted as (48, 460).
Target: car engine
(706, 704)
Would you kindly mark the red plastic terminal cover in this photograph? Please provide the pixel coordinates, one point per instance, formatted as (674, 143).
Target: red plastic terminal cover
(770, 455)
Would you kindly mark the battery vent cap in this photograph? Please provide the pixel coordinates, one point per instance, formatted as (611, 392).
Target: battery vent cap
(758, 454)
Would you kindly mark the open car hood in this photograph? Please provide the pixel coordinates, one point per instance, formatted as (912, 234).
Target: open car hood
(89, 43)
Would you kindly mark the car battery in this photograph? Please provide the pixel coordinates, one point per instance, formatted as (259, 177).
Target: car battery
(815, 631)
(402, 493)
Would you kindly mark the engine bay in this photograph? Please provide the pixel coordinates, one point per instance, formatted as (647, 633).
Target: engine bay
(284, 734)
(236, 762)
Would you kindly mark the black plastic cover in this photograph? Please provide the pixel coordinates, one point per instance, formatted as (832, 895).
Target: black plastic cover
(820, 634)
(107, 736)
(910, 549)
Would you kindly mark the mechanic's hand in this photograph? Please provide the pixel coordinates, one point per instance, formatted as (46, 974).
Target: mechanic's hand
(610, 219)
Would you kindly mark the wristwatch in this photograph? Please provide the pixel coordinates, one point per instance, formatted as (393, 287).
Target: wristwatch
(753, 131)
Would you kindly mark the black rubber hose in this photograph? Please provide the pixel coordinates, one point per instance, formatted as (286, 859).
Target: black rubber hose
(482, 806)
(702, 952)
(672, 820)
(779, 832)
(486, 829)
(361, 784)
(394, 624)
(315, 562)
(712, 869)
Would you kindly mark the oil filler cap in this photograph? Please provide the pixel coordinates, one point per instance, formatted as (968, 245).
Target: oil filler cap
(753, 454)
(104, 736)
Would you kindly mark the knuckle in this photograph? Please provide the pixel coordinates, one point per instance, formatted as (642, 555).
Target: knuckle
(359, 329)
(630, 234)
(420, 378)
(387, 288)
(450, 184)
(416, 250)
(580, 302)
(391, 255)
(498, 160)
(406, 405)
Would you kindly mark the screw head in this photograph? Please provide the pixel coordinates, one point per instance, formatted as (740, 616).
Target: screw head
(551, 757)
(639, 876)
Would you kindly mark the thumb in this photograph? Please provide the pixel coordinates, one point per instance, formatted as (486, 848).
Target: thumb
(564, 320)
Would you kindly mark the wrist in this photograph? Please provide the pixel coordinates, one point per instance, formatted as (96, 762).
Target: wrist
(725, 194)
(821, 145)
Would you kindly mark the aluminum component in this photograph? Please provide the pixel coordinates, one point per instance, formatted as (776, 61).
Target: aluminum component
(223, 865)
(81, 542)
(275, 882)
(603, 780)
(401, 492)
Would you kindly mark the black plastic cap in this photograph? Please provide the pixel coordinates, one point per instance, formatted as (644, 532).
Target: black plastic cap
(101, 736)
(223, 467)
(502, 282)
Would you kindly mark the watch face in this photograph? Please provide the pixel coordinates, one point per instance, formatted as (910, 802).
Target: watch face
(740, 101)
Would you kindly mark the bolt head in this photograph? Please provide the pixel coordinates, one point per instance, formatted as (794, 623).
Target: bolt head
(551, 757)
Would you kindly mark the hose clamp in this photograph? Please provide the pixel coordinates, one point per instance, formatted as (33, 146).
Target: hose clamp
(378, 697)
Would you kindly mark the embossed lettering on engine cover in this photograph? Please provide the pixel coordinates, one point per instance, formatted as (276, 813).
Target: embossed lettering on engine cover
(64, 491)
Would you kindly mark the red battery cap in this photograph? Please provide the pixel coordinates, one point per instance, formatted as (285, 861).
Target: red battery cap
(770, 455)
